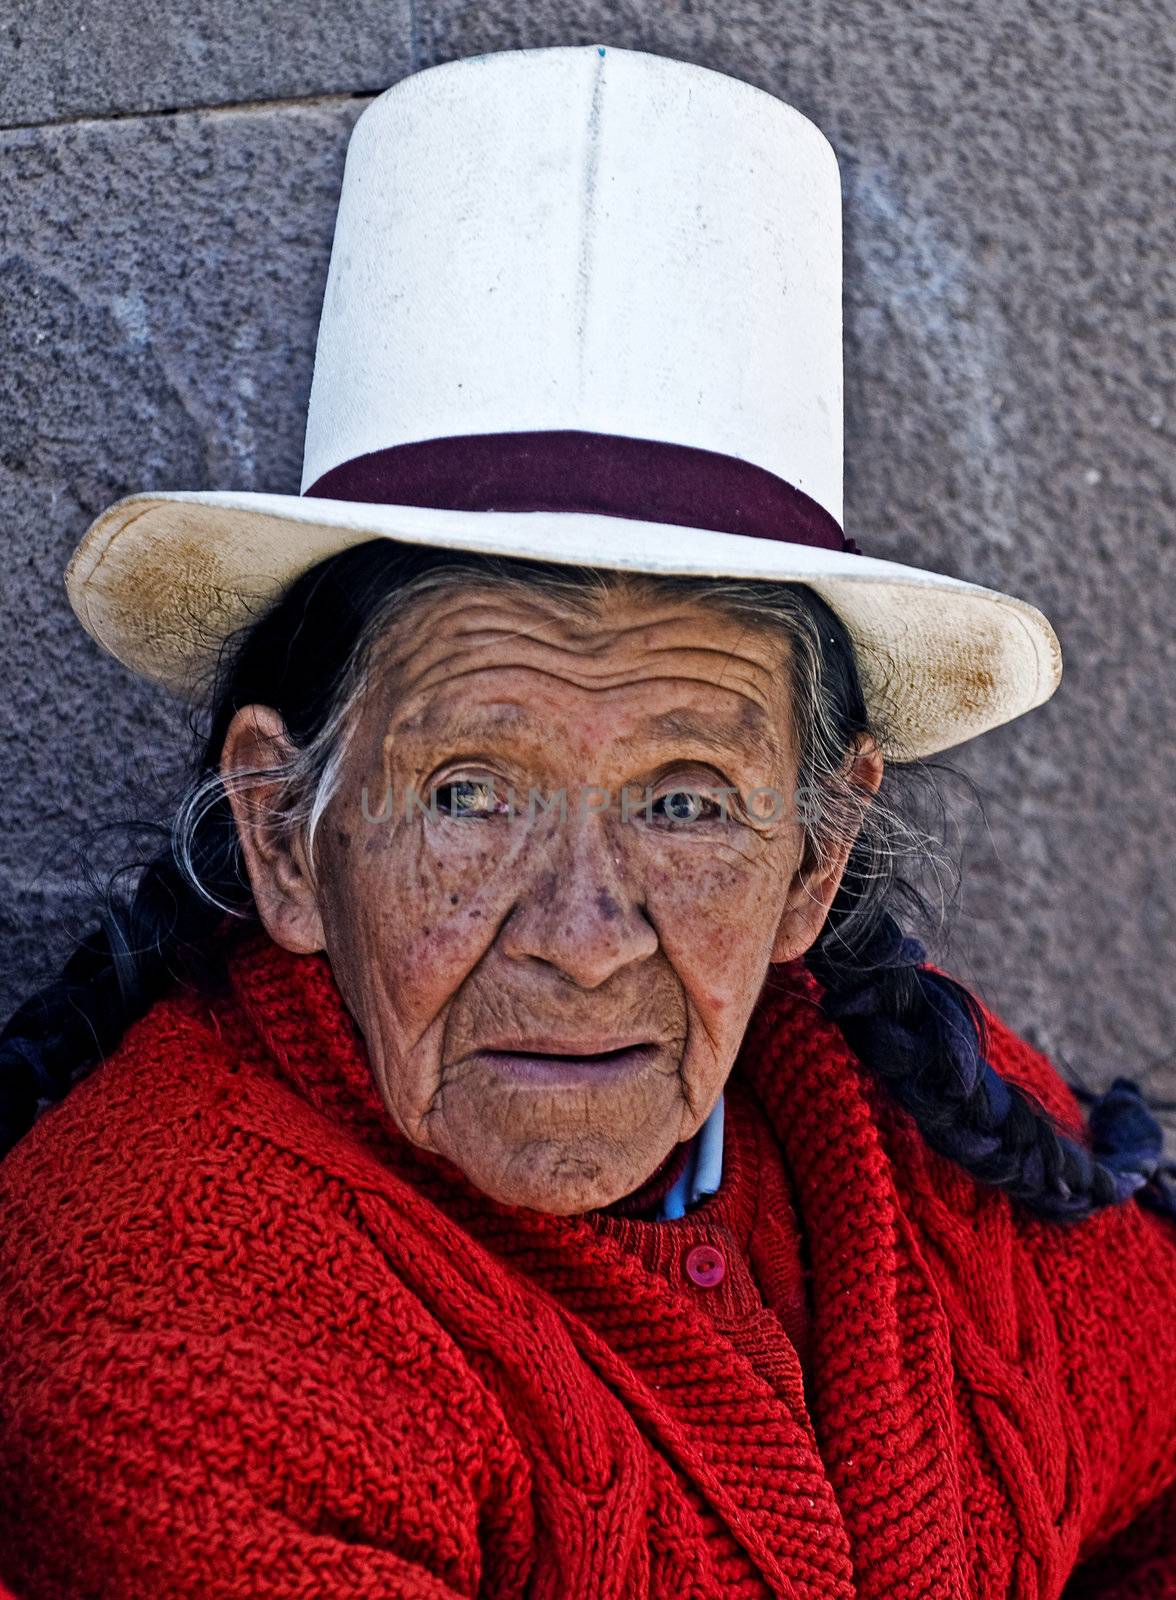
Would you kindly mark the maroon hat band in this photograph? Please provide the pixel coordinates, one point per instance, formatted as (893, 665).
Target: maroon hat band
(601, 473)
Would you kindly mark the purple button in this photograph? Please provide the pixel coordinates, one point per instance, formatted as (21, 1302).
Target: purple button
(705, 1266)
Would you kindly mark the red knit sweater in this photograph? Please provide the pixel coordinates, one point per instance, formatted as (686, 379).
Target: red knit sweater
(254, 1344)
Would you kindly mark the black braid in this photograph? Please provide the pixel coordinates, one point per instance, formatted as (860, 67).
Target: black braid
(923, 1034)
(136, 951)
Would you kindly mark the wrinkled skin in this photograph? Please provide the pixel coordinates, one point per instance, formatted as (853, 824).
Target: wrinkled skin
(464, 939)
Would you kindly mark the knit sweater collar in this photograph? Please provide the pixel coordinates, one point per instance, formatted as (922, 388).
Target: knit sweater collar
(836, 1128)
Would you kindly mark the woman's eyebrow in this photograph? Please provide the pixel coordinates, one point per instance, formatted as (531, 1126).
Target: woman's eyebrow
(750, 734)
(436, 721)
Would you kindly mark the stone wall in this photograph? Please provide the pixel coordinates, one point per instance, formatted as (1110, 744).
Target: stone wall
(170, 176)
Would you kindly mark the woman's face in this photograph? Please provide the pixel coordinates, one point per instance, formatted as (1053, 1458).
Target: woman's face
(551, 958)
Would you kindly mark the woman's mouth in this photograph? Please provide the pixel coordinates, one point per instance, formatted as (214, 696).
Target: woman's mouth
(553, 1068)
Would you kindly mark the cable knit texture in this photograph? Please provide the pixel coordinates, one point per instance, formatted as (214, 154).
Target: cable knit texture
(253, 1343)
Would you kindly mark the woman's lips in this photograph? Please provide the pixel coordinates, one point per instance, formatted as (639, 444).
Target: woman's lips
(552, 1068)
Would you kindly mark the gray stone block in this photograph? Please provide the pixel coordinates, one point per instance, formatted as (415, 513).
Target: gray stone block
(76, 58)
(1009, 406)
(162, 286)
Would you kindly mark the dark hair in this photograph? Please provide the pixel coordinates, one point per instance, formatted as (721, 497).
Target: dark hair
(918, 1030)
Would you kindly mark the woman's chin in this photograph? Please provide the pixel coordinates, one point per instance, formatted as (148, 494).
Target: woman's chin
(562, 1177)
(554, 1136)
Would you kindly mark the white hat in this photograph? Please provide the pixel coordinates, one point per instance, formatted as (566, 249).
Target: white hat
(584, 305)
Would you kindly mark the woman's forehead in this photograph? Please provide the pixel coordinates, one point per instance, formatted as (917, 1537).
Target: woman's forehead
(611, 630)
(661, 668)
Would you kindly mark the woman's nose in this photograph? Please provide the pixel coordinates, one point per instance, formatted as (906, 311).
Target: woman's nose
(579, 912)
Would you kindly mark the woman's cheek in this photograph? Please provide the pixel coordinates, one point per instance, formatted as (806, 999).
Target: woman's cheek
(428, 917)
(420, 871)
(457, 861)
(716, 923)
(714, 902)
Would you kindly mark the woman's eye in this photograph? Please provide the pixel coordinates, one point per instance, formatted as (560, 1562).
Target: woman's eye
(684, 805)
(468, 797)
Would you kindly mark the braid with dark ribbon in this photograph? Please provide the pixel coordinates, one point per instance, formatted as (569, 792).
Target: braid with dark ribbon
(112, 976)
(922, 1033)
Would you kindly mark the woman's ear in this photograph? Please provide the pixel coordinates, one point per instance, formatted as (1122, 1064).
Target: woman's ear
(810, 894)
(275, 857)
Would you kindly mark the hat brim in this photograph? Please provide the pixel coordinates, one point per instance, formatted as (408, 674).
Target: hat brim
(160, 580)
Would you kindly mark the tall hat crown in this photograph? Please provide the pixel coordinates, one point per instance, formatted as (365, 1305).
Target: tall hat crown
(586, 239)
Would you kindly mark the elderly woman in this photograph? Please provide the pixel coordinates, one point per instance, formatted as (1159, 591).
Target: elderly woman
(517, 1151)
